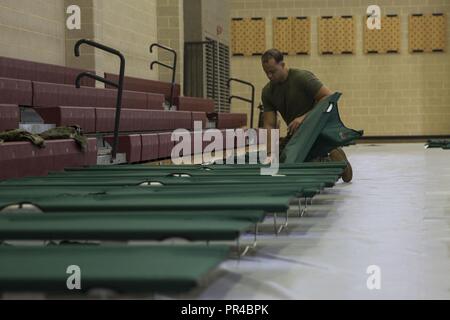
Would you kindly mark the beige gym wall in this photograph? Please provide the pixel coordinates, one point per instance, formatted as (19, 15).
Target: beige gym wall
(401, 94)
(170, 32)
(33, 30)
(130, 27)
(36, 30)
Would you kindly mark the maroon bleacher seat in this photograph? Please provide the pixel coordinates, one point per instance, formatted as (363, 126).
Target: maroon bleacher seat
(90, 156)
(15, 159)
(68, 116)
(155, 101)
(71, 74)
(194, 104)
(48, 73)
(106, 98)
(131, 145)
(42, 72)
(145, 85)
(130, 119)
(9, 117)
(104, 119)
(150, 146)
(66, 153)
(231, 120)
(22, 159)
(142, 120)
(200, 116)
(177, 120)
(53, 95)
(45, 94)
(134, 100)
(14, 91)
(165, 145)
(17, 69)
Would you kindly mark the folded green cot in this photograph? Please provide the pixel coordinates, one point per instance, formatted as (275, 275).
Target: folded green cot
(121, 268)
(321, 132)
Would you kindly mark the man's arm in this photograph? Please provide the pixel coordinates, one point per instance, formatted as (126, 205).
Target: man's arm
(321, 94)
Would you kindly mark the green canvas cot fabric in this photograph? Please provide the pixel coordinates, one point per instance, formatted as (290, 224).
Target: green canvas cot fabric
(321, 132)
(292, 191)
(438, 143)
(42, 191)
(329, 180)
(118, 227)
(32, 194)
(119, 268)
(279, 203)
(252, 216)
(245, 215)
(194, 173)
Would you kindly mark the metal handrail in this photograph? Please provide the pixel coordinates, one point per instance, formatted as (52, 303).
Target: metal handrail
(173, 67)
(251, 101)
(118, 85)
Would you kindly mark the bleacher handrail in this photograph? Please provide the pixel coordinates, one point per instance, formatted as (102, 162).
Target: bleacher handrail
(173, 67)
(251, 100)
(118, 85)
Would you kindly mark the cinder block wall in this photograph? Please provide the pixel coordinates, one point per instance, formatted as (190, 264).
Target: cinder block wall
(129, 26)
(400, 94)
(170, 31)
(33, 30)
(36, 30)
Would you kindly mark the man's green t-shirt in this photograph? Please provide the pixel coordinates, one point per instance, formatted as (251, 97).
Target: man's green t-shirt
(293, 97)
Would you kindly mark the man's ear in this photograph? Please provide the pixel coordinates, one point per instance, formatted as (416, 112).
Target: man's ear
(283, 64)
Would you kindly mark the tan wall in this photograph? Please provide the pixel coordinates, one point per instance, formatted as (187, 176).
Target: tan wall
(171, 33)
(216, 13)
(400, 94)
(130, 27)
(33, 30)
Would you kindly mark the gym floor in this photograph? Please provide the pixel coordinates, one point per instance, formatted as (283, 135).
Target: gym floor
(394, 215)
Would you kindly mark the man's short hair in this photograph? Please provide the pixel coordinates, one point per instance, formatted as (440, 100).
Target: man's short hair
(272, 54)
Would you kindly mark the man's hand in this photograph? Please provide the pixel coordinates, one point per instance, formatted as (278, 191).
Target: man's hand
(267, 160)
(295, 124)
